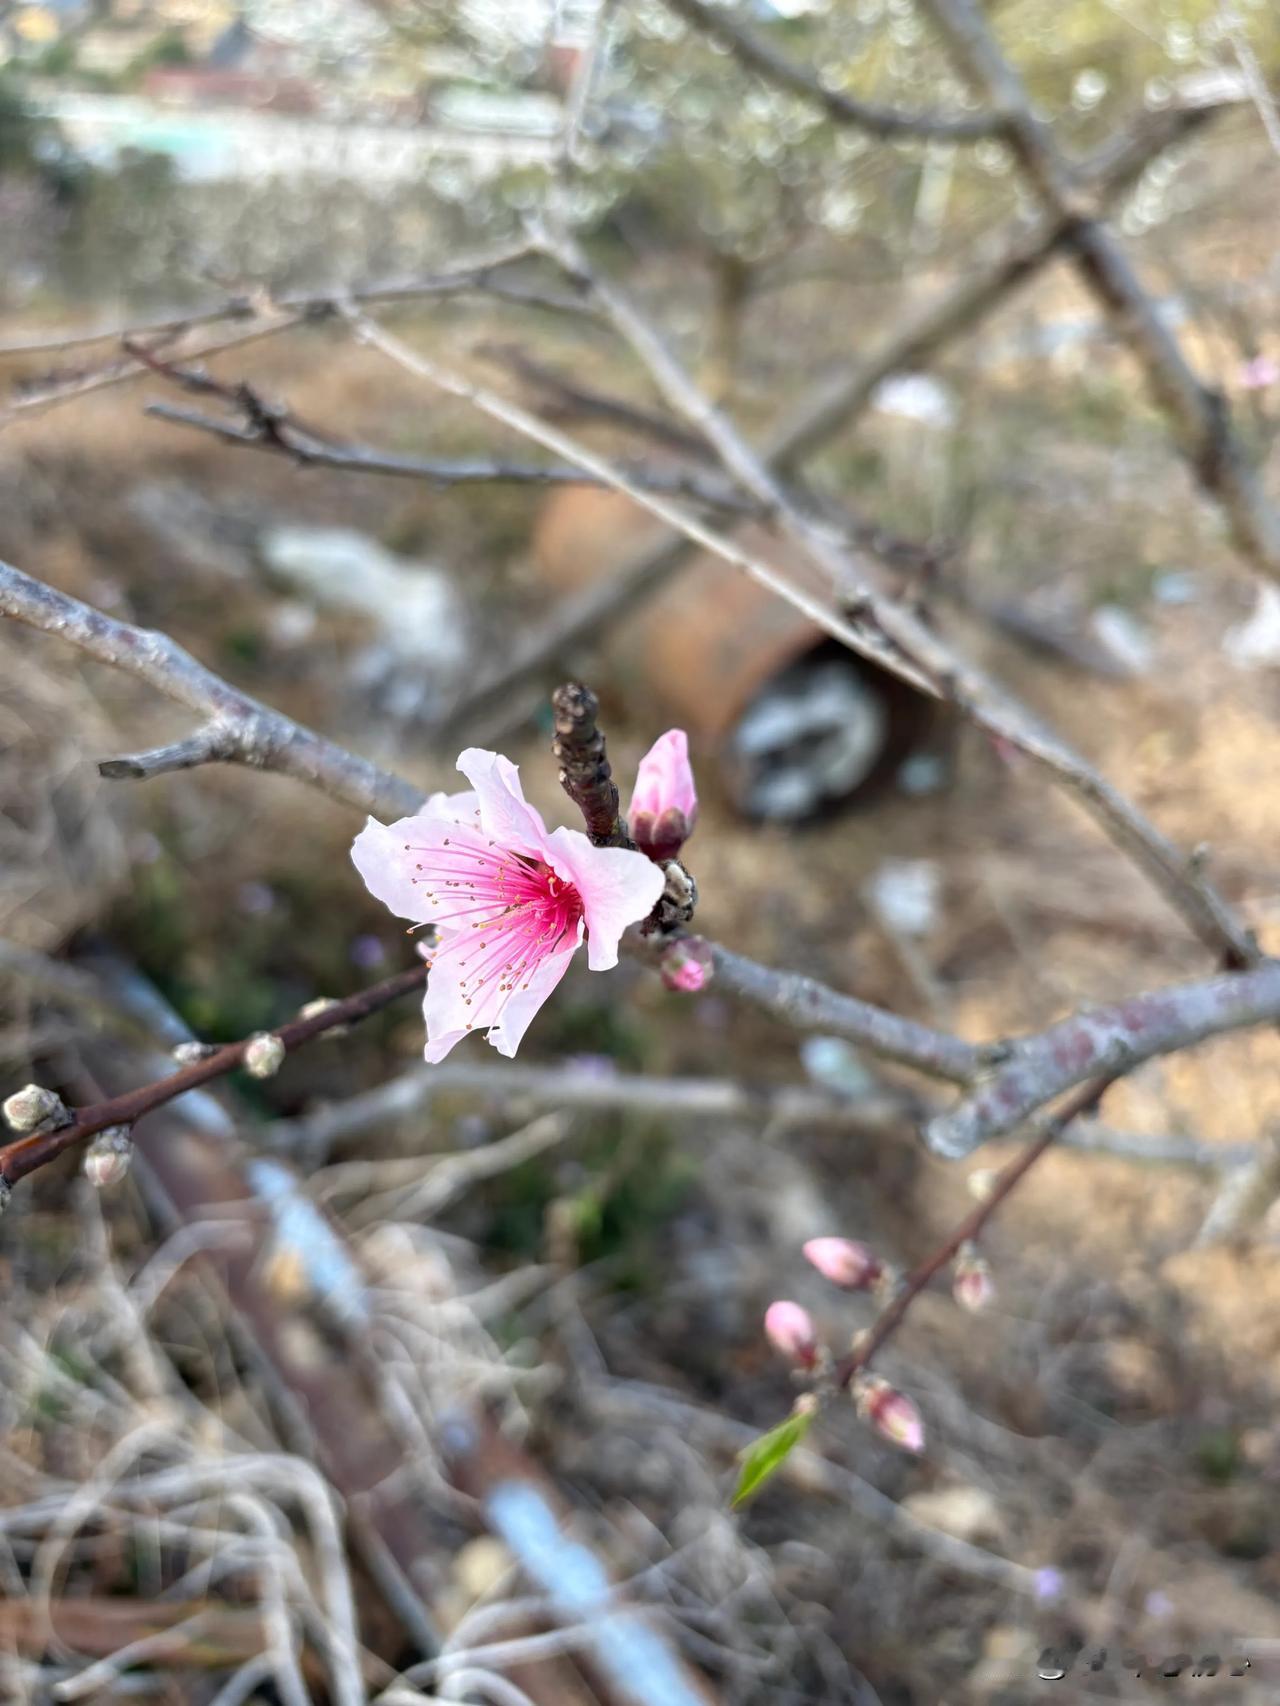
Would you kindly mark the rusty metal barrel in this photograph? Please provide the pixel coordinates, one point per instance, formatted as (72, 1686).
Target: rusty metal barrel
(798, 726)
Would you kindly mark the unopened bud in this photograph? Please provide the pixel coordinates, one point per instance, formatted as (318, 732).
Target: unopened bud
(686, 966)
(982, 1183)
(107, 1158)
(187, 1054)
(846, 1263)
(790, 1330)
(32, 1107)
(263, 1055)
(891, 1413)
(322, 1004)
(972, 1285)
(660, 836)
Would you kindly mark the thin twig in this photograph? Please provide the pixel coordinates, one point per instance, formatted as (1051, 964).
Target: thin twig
(25, 1154)
(828, 410)
(968, 1231)
(889, 632)
(760, 55)
(877, 1112)
(239, 729)
(1199, 415)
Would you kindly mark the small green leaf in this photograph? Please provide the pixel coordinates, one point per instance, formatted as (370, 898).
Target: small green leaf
(764, 1456)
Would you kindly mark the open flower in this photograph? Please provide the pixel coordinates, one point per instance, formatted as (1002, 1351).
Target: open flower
(664, 805)
(510, 900)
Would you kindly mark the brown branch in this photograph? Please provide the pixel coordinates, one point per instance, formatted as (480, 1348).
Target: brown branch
(1111, 1040)
(1199, 415)
(1107, 1040)
(25, 1154)
(760, 55)
(968, 1231)
(585, 772)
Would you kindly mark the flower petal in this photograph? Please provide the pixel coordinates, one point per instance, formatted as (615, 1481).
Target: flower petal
(616, 886)
(505, 814)
(665, 778)
(389, 869)
(451, 1016)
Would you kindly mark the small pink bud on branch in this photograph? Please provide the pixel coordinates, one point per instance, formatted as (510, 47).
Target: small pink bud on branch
(687, 965)
(891, 1413)
(845, 1262)
(972, 1285)
(108, 1157)
(664, 804)
(790, 1330)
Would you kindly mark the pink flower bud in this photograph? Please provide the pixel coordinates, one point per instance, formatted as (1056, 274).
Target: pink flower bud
(1258, 374)
(972, 1285)
(107, 1158)
(891, 1413)
(686, 965)
(664, 805)
(850, 1265)
(790, 1330)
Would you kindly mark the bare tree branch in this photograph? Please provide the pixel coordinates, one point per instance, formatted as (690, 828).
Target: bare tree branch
(1104, 1040)
(905, 644)
(868, 1345)
(759, 55)
(266, 318)
(831, 408)
(289, 437)
(878, 1112)
(925, 331)
(1244, 1196)
(818, 608)
(239, 729)
(1200, 415)
(807, 1005)
(25, 1154)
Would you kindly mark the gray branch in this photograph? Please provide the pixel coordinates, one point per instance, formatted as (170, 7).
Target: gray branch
(760, 55)
(290, 438)
(1104, 1041)
(892, 634)
(238, 730)
(1199, 415)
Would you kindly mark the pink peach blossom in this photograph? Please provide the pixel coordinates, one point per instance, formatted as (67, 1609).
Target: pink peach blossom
(664, 804)
(509, 899)
(790, 1329)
